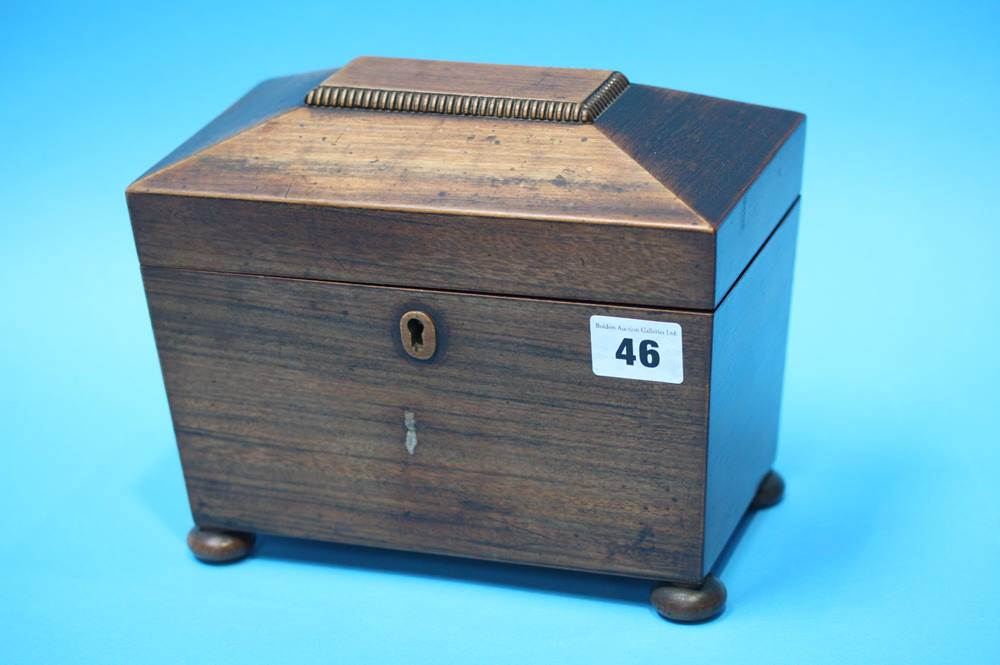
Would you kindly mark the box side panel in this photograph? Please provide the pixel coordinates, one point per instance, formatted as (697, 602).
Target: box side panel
(749, 331)
(565, 260)
(298, 413)
(752, 219)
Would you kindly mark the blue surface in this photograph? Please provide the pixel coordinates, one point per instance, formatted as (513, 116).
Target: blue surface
(887, 546)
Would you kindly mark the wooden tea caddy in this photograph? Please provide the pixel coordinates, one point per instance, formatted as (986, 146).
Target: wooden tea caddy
(522, 314)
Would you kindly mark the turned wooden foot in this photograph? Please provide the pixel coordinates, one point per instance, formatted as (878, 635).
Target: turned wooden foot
(769, 493)
(219, 546)
(689, 604)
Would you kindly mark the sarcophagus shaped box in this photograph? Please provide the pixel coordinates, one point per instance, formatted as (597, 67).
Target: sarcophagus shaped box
(522, 314)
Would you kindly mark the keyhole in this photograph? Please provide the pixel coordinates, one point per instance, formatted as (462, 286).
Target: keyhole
(416, 333)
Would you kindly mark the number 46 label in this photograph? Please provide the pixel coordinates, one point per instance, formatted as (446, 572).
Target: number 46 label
(636, 349)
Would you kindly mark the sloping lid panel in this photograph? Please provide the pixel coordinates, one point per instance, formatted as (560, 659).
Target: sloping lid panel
(418, 162)
(266, 100)
(707, 151)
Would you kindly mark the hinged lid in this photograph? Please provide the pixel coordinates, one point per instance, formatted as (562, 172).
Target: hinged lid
(546, 182)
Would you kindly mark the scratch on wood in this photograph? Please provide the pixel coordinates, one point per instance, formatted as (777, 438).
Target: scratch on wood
(410, 421)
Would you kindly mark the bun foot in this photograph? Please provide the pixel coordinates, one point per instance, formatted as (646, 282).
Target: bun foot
(219, 546)
(689, 604)
(769, 492)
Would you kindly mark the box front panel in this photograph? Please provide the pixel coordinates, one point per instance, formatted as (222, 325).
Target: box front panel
(298, 412)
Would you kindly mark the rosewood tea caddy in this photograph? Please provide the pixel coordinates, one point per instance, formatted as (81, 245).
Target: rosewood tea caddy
(521, 314)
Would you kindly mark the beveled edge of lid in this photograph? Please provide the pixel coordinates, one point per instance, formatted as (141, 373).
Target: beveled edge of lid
(470, 89)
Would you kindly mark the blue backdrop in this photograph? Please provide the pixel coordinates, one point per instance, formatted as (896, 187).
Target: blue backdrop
(887, 546)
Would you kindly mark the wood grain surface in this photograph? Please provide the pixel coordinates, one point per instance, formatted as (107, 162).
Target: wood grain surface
(290, 402)
(576, 261)
(467, 78)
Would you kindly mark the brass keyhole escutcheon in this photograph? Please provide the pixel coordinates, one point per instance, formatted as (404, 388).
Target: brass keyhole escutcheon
(419, 336)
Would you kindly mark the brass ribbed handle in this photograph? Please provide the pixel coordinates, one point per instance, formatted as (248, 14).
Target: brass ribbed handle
(498, 91)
